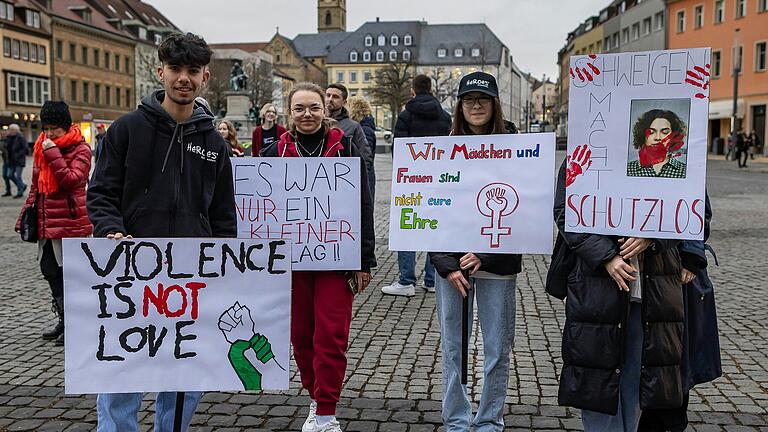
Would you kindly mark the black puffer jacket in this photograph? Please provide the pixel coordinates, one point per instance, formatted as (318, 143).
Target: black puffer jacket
(17, 150)
(423, 116)
(596, 316)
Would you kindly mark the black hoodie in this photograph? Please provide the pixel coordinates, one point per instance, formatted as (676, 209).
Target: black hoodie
(159, 178)
(423, 116)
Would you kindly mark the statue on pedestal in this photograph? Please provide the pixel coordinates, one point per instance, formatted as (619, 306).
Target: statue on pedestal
(238, 80)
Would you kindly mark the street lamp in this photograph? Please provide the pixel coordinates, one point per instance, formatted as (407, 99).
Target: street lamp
(736, 72)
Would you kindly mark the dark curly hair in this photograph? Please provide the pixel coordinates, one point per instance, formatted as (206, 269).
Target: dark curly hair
(645, 120)
(184, 50)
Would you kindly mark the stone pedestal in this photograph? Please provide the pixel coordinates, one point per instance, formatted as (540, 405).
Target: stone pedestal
(237, 106)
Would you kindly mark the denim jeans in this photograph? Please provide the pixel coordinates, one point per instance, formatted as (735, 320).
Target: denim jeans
(14, 175)
(496, 312)
(117, 412)
(406, 261)
(627, 416)
(7, 177)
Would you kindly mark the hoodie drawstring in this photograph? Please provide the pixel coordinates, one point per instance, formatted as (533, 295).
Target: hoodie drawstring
(170, 146)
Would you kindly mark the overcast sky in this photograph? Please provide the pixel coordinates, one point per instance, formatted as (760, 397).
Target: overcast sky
(534, 30)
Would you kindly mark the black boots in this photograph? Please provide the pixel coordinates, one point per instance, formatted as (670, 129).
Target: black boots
(57, 332)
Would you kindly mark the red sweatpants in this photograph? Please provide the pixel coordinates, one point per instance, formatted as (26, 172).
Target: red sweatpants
(321, 312)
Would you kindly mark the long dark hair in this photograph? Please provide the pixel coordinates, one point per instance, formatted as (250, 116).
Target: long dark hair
(495, 125)
(644, 122)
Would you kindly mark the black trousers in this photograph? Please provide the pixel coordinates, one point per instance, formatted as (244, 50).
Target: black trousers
(52, 271)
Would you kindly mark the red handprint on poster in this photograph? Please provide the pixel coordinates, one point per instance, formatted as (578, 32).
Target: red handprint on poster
(587, 73)
(699, 77)
(577, 163)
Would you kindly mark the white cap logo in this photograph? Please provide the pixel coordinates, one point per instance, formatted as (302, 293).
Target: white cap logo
(478, 82)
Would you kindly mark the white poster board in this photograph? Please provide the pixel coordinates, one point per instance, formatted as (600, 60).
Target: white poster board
(147, 315)
(314, 202)
(637, 144)
(485, 193)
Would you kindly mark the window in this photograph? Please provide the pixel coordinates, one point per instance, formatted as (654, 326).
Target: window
(760, 52)
(441, 52)
(16, 48)
(625, 36)
(127, 64)
(381, 40)
(59, 50)
(698, 16)
(108, 95)
(60, 88)
(591, 48)
(84, 55)
(158, 38)
(86, 92)
(107, 59)
(599, 46)
(475, 52)
(458, 52)
(615, 41)
(647, 26)
(25, 50)
(6, 47)
(680, 21)
(366, 56)
(658, 21)
(366, 76)
(27, 90)
(353, 76)
(97, 94)
(340, 77)
(353, 56)
(394, 40)
(128, 97)
(719, 11)
(716, 57)
(117, 97)
(407, 40)
(607, 43)
(6, 11)
(762, 6)
(42, 56)
(368, 40)
(407, 55)
(33, 53)
(96, 57)
(737, 54)
(73, 91)
(622, 7)
(33, 18)
(379, 56)
(72, 48)
(142, 33)
(741, 8)
(393, 55)
(117, 65)
(328, 18)
(635, 31)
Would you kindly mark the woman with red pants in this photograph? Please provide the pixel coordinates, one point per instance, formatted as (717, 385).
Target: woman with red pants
(321, 301)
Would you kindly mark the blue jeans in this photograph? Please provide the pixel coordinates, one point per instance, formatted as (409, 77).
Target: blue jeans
(14, 175)
(117, 412)
(7, 177)
(406, 261)
(627, 416)
(496, 311)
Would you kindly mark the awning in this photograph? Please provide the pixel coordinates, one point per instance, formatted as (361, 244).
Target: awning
(721, 109)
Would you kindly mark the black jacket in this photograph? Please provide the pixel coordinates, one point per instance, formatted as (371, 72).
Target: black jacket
(596, 315)
(499, 264)
(17, 150)
(369, 129)
(157, 178)
(423, 116)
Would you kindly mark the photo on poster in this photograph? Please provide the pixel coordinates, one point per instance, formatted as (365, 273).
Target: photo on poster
(658, 138)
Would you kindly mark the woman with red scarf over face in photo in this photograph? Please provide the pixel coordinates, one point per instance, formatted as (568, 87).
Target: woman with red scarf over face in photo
(62, 161)
(658, 136)
(321, 301)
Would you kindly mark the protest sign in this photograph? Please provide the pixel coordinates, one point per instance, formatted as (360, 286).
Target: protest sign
(313, 202)
(147, 315)
(637, 144)
(488, 193)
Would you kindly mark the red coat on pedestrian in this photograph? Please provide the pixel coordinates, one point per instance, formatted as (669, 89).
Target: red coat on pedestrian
(257, 136)
(62, 213)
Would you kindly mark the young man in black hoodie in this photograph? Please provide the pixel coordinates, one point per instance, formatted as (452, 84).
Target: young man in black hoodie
(423, 116)
(164, 171)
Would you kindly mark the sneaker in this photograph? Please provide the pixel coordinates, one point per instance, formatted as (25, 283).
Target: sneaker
(310, 424)
(332, 426)
(7, 194)
(430, 289)
(399, 290)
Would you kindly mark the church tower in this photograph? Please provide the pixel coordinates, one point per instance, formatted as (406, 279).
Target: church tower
(331, 16)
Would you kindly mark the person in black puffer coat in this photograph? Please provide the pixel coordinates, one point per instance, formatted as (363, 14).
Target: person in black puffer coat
(622, 342)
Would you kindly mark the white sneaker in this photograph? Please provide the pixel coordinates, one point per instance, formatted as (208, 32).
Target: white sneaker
(332, 426)
(310, 424)
(399, 290)
(429, 288)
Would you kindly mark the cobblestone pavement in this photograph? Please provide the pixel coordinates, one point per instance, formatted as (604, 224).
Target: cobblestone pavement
(393, 378)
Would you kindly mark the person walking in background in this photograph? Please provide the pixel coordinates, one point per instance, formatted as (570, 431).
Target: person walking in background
(98, 146)
(229, 133)
(491, 281)
(423, 116)
(268, 132)
(741, 148)
(62, 162)
(16, 148)
(147, 184)
(360, 111)
(321, 301)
